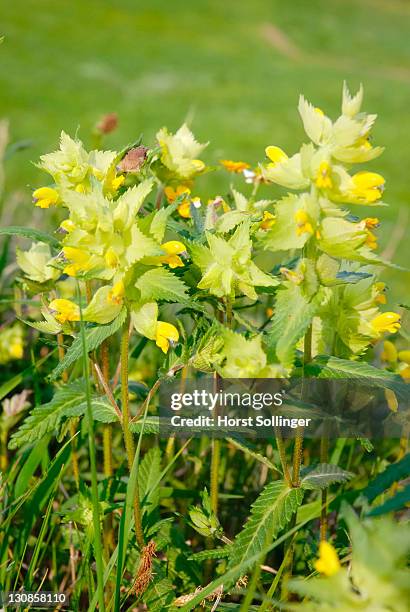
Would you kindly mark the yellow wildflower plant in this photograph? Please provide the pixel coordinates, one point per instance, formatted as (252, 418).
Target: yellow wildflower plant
(44, 197)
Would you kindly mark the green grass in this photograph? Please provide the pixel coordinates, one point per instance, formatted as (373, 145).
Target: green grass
(157, 63)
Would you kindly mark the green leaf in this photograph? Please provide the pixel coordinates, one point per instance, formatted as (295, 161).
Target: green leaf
(270, 513)
(248, 449)
(159, 595)
(161, 284)
(292, 317)
(393, 473)
(159, 221)
(94, 337)
(46, 418)
(324, 366)
(33, 234)
(151, 425)
(397, 502)
(148, 475)
(323, 475)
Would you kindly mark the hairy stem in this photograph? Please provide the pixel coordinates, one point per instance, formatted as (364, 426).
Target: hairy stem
(324, 451)
(128, 438)
(73, 429)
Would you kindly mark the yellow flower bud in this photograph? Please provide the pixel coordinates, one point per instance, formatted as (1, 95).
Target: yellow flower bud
(116, 294)
(386, 322)
(268, 220)
(165, 334)
(16, 350)
(328, 562)
(233, 166)
(44, 197)
(324, 180)
(65, 310)
(198, 165)
(389, 353)
(111, 258)
(275, 154)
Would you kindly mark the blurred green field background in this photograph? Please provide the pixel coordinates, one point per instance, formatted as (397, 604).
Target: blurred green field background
(233, 69)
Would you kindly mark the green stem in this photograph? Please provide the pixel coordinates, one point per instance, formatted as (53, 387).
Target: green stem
(250, 591)
(324, 452)
(282, 454)
(93, 465)
(266, 604)
(128, 438)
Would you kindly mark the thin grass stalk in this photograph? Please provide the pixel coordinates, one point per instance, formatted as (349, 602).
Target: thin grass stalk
(93, 464)
(250, 591)
(267, 604)
(324, 452)
(128, 437)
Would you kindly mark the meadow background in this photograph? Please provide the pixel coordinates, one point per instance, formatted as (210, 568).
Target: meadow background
(233, 70)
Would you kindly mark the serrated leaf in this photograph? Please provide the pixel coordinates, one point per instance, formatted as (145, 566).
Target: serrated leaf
(292, 317)
(148, 475)
(43, 419)
(159, 595)
(324, 366)
(94, 337)
(151, 425)
(247, 448)
(159, 221)
(270, 513)
(323, 475)
(161, 284)
(103, 410)
(33, 234)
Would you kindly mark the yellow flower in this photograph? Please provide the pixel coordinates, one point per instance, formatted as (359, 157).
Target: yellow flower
(276, 155)
(172, 194)
(371, 240)
(65, 310)
(81, 188)
(371, 222)
(116, 294)
(364, 141)
(389, 352)
(319, 111)
(44, 197)
(380, 297)
(324, 180)
(111, 258)
(117, 182)
(268, 220)
(165, 334)
(67, 226)
(328, 562)
(184, 209)
(405, 373)
(386, 322)
(79, 258)
(233, 166)
(404, 356)
(16, 349)
(198, 165)
(368, 186)
(269, 312)
(173, 249)
(302, 222)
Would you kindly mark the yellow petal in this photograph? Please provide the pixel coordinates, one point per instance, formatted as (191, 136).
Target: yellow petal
(65, 310)
(275, 154)
(328, 562)
(173, 247)
(389, 352)
(386, 322)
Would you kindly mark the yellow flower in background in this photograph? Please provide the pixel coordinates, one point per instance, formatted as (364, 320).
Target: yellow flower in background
(371, 240)
(11, 343)
(184, 209)
(302, 222)
(234, 166)
(172, 194)
(268, 220)
(116, 294)
(389, 352)
(173, 250)
(386, 322)
(404, 356)
(368, 186)
(165, 334)
(324, 180)
(44, 197)
(276, 155)
(64, 310)
(328, 562)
